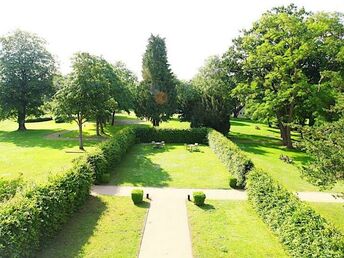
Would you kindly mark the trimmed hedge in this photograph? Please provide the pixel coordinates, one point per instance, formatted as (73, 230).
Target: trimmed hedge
(303, 232)
(28, 219)
(137, 196)
(237, 163)
(149, 134)
(9, 187)
(38, 119)
(115, 148)
(199, 198)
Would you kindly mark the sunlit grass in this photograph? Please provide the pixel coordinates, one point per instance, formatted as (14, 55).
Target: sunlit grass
(264, 147)
(231, 229)
(105, 227)
(332, 212)
(172, 166)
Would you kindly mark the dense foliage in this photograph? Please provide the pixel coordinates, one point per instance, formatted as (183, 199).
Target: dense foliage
(325, 144)
(303, 232)
(85, 93)
(155, 96)
(29, 218)
(206, 101)
(290, 55)
(237, 163)
(26, 74)
(9, 187)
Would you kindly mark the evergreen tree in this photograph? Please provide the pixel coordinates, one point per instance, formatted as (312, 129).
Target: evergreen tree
(156, 94)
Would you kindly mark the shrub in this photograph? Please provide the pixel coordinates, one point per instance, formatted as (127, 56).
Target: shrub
(303, 232)
(59, 120)
(149, 134)
(9, 187)
(237, 163)
(99, 166)
(29, 218)
(199, 198)
(233, 182)
(38, 119)
(115, 148)
(137, 196)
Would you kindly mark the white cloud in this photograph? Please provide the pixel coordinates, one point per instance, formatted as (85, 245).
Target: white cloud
(119, 30)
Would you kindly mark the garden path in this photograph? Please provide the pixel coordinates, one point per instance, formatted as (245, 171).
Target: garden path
(166, 232)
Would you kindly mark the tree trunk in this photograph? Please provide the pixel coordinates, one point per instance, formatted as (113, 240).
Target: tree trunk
(97, 127)
(102, 127)
(81, 142)
(286, 135)
(237, 111)
(155, 122)
(113, 118)
(311, 121)
(21, 120)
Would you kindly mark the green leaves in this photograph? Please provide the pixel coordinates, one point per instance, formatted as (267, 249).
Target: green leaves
(303, 232)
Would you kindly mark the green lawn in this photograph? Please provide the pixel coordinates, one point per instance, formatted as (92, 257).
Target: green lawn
(105, 227)
(172, 166)
(264, 147)
(34, 155)
(332, 212)
(231, 229)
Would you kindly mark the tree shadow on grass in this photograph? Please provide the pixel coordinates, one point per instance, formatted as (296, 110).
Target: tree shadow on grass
(138, 170)
(36, 138)
(76, 232)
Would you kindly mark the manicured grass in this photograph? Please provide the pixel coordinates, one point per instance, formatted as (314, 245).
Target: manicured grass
(105, 227)
(32, 153)
(171, 166)
(332, 212)
(231, 229)
(264, 147)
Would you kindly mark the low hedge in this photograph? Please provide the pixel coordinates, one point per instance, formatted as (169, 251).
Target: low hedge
(30, 218)
(9, 187)
(303, 232)
(149, 134)
(38, 119)
(137, 196)
(199, 198)
(237, 163)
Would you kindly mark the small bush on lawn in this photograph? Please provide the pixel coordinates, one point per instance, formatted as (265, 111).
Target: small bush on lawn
(303, 232)
(199, 198)
(30, 218)
(137, 196)
(149, 134)
(237, 163)
(9, 187)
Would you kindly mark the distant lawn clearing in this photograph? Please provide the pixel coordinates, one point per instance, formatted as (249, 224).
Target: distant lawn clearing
(172, 166)
(264, 147)
(32, 154)
(231, 229)
(332, 212)
(106, 226)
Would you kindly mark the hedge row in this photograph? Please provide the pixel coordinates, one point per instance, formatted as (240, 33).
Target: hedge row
(149, 134)
(9, 187)
(303, 232)
(110, 154)
(29, 218)
(237, 163)
(38, 119)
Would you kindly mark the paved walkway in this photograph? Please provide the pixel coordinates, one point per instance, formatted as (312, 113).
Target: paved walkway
(166, 232)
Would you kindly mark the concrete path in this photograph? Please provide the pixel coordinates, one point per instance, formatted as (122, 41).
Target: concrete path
(166, 232)
(216, 194)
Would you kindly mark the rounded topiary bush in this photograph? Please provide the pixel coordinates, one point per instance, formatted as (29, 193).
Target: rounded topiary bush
(233, 182)
(137, 196)
(199, 198)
